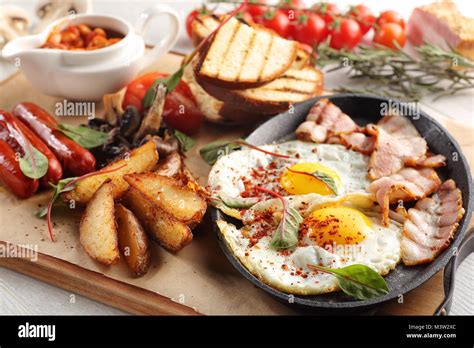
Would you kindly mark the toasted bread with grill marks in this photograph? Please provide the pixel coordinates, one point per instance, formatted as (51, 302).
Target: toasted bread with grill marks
(240, 56)
(294, 86)
(204, 25)
(213, 109)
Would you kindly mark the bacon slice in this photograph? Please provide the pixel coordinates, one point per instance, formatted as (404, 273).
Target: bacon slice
(398, 144)
(431, 225)
(325, 120)
(407, 185)
(432, 161)
(359, 142)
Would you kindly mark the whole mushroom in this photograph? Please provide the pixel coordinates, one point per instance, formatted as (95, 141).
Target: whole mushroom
(14, 22)
(50, 10)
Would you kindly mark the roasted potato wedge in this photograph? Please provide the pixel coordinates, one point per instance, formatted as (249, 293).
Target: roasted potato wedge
(141, 159)
(160, 225)
(133, 241)
(98, 231)
(180, 201)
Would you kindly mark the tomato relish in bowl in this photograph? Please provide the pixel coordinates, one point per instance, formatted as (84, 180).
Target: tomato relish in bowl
(81, 37)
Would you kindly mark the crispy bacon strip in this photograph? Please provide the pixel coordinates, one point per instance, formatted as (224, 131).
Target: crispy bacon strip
(325, 120)
(432, 161)
(408, 184)
(431, 225)
(359, 142)
(398, 144)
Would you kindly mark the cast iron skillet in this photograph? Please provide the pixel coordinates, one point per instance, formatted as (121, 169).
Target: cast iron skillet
(364, 109)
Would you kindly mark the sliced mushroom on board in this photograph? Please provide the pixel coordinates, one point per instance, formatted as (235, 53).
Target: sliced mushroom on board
(50, 10)
(14, 22)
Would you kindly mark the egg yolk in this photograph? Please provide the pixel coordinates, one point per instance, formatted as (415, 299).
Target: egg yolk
(336, 225)
(301, 184)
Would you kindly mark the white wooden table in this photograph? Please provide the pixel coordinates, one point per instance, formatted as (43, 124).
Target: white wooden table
(20, 294)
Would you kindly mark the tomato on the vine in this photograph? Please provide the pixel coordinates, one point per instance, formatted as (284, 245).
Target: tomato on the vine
(388, 34)
(310, 29)
(277, 21)
(345, 33)
(289, 7)
(191, 17)
(390, 17)
(180, 111)
(363, 16)
(257, 11)
(326, 10)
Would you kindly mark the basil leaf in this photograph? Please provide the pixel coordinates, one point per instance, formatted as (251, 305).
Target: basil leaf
(326, 179)
(58, 189)
(359, 281)
(170, 83)
(151, 93)
(213, 151)
(286, 234)
(185, 142)
(174, 79)
(41, 213)
(84, 136)
(34, 164)
(238, 202)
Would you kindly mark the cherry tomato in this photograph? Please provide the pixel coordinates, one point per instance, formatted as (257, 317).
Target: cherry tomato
(390, 17)
(277, 21)
(345, 34)
(257, 11)
(180, 110)
(289, 6)
(326, 10)
(189, 21)
(363, 16)
(245, 16)
(311, 29)
(389, 33)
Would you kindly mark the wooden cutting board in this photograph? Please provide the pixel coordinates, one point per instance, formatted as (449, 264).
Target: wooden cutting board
(196, 280)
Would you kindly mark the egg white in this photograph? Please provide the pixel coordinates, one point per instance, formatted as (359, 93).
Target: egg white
(380, 250)
(226, 174)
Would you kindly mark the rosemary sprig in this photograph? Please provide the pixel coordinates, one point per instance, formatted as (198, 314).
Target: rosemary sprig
(397, 74)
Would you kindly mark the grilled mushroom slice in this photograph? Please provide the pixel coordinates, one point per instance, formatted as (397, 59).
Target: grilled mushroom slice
(50, 10)
(14, 22)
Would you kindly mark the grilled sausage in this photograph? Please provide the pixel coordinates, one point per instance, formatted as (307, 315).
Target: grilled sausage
(13, 131)
(11, 175)
(75, 159)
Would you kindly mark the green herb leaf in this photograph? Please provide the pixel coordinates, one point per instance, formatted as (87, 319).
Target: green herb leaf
(359, 281)
(326, 179)
(58, 189)
(213, 151)
(170, 83)
(84, 136)
(320, 176)
(185, 142)
(286, 234)
(34, 164)
(238, 202)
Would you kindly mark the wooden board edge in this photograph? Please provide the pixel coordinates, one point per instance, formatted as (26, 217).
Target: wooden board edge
(106, 290)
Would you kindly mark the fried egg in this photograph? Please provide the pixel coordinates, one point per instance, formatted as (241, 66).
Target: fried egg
(323, 169)
(335, 232)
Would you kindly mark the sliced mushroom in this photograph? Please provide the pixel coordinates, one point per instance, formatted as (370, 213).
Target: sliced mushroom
(14, 22)
(50, 10)
(113, 106)
(152, 120)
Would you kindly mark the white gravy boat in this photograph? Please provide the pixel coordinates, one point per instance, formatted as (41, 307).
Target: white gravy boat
(88, 75)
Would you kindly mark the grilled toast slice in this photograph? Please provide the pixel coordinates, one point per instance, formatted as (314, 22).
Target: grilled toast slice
(213, 109)
(294, 86)
(204, 25)
(240, 56)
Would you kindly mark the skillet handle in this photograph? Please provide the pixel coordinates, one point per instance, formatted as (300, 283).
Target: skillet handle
(466, 248)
